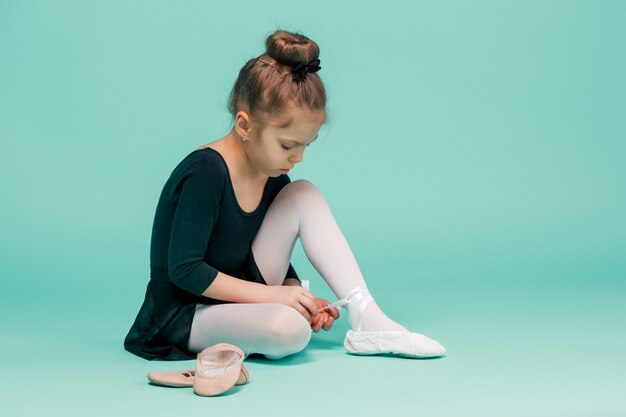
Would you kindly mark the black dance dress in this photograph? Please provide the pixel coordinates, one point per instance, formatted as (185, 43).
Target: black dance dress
(199, 229)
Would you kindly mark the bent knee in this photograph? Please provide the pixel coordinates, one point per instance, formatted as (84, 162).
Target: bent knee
(290, 329)
(302, 185)
(302, 190)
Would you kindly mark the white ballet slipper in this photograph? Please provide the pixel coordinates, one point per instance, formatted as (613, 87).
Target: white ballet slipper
(402, 343)
(407, 344)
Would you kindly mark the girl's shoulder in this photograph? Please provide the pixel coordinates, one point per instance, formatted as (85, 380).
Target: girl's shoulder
(203, 159)
(201, 166)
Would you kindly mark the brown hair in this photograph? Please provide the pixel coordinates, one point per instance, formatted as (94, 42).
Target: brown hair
(265, 87)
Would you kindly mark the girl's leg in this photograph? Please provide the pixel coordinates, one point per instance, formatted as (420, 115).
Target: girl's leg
(300, 210)
(274, 330)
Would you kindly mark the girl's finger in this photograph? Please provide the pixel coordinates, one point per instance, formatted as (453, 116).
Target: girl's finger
(328, 324)
(310, 305)
(316, 324)
(323, 322)
(305, 313)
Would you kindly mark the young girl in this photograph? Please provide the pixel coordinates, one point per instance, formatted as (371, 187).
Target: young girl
(226, 224)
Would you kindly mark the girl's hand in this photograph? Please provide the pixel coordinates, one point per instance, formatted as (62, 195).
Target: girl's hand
(294, 296)
(324, 319)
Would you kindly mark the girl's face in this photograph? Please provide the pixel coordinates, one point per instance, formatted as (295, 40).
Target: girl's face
(282, 147)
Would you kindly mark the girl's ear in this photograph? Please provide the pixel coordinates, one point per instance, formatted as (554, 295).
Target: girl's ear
(242, 125)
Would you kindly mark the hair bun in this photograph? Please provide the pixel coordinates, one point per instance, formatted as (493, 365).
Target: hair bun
(291, 48)
(263, 88)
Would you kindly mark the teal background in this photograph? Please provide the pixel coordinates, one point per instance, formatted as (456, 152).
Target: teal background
(474, 160)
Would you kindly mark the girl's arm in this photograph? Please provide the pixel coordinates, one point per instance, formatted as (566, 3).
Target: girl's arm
(228, 288)
(292, 282)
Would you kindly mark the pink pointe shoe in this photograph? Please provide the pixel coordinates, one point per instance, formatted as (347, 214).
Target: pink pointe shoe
(217, 369)
(401, 343)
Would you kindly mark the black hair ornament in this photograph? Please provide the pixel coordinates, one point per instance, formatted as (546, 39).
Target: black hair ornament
(300, 69)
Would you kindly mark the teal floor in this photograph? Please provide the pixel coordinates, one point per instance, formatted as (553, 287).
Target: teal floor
(474, 161)
(511, 352)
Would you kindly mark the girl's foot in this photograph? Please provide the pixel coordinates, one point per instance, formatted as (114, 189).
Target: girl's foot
(374, 333)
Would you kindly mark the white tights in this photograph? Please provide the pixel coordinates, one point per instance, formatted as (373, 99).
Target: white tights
(277, 330)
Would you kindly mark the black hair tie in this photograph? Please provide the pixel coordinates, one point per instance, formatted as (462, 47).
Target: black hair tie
(300, 69)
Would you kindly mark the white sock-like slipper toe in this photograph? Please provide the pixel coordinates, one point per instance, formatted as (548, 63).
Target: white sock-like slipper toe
(408, 344)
